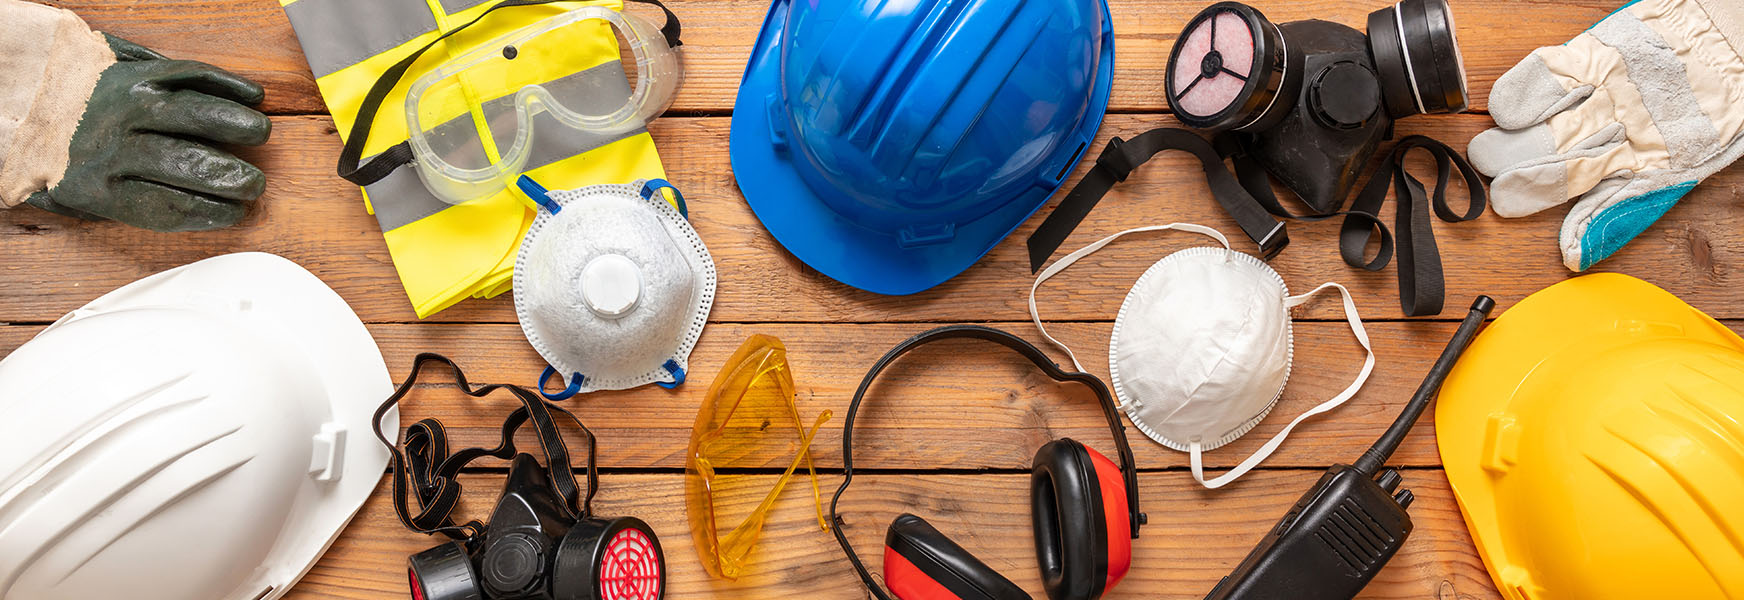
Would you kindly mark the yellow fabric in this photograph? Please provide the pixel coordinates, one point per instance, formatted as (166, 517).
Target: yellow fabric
(468, 250)
(1594, 437)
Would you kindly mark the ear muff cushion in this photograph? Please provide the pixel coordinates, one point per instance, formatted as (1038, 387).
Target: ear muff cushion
(1071, 532)
(922, 564)
(1115, 515)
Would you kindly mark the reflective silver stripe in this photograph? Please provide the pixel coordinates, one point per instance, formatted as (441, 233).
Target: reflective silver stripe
(401, 198)
(336, 34)
(600, 88)
(1659, 74)
(454, 6)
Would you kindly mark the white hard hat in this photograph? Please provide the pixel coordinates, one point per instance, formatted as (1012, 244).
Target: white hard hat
(200, 434)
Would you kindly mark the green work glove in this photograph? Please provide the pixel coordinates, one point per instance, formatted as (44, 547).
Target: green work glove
(143, 152)
(1624, 119)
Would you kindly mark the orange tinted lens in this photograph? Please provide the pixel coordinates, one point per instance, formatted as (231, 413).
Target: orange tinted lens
(748, 420)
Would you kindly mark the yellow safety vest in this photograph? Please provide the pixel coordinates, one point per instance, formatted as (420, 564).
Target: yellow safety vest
(443, 252)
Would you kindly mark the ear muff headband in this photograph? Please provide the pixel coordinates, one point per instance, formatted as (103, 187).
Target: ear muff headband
(1022, 347)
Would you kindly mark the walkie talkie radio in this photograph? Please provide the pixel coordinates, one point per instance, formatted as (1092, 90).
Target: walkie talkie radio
(1334, 540)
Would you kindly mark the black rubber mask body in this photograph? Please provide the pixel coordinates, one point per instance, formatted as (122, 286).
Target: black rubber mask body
(523, 534)
(542, 541)
(1321, 145)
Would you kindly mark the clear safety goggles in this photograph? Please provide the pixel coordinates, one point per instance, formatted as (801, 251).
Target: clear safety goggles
(466, 147)
(526, 98)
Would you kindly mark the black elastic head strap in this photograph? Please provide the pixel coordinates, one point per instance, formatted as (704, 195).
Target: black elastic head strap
(1421, 286)
(401, 153)
(1028, 350)
(432, 470)
(1118, 161)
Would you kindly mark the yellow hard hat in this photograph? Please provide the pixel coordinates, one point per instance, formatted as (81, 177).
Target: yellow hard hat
(1594, 437)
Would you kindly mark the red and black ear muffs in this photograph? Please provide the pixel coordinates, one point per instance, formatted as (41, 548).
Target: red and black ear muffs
(1084, 507)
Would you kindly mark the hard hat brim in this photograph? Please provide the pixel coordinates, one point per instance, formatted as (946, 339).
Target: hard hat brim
(306, 321)
(1562, 326)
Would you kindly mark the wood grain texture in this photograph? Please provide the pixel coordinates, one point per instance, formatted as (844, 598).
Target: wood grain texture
(959, 405)
(254, 39)
(1195, 537)
(318, 220)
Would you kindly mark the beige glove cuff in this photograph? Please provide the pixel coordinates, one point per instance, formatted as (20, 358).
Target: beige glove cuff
(49, 61)
(1728, 17)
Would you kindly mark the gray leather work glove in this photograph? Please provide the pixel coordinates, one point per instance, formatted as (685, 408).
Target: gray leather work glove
(1624, 119)
(143, 149)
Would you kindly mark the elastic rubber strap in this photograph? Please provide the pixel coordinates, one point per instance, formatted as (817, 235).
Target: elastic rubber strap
(1195, 449)
(432, 471)
(653, 186)
(400, 154)
(1121, 157)
(1028, 351)
(1258, 183)
(1066, 261)
(1421, 287)
(538, 194)
(671, 366)
(575, 380)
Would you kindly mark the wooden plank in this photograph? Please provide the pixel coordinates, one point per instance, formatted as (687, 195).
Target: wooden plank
(317, 219)
(255, 39)
(961, 405)
(1196, 536)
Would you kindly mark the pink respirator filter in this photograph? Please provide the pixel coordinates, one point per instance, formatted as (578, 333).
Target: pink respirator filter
(1208, 84)
(1228, 69)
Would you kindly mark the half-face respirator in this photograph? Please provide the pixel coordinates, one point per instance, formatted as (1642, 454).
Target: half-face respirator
(1311, 100)
(537, 545)
(1307, 103)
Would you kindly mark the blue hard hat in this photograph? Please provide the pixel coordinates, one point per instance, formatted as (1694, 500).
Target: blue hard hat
(889, 144)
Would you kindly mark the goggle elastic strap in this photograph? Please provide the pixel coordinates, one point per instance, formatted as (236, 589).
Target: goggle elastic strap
(1029, 351)
(431, 470)
(401, 154)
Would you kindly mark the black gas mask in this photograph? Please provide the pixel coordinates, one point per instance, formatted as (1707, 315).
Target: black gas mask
(1312, 100)
(537, 545)
(1306, 102)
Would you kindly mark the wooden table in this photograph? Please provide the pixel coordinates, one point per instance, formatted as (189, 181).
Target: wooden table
(978, 416)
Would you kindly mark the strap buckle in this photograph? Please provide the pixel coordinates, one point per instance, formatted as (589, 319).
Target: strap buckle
(1273, 242)
(1114, 160)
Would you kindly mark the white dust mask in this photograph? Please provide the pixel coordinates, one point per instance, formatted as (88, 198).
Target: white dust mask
(1202, 346)
(612, 286)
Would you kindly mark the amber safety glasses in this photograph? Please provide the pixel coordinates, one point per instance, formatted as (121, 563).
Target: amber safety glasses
(747, 418)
